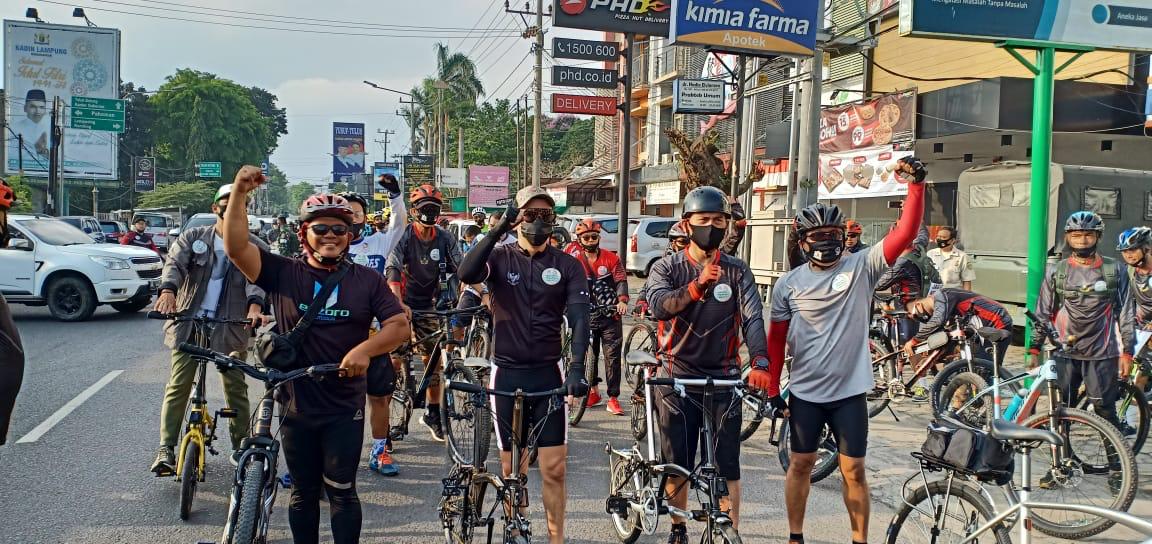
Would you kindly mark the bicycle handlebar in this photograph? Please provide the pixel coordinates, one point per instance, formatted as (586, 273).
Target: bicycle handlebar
(1044, 329)
(473, 388)
(268, 375)
(198, 319)
(449, 313)
(697, 382)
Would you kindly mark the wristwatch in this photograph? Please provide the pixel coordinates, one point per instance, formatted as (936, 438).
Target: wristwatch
(760, 363)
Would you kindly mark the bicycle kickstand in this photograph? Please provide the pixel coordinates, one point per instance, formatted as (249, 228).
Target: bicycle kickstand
(893, 412)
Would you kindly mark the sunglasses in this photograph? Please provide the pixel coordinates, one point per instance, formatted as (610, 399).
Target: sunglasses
(532, 215)
(428, 210)
(825, 236)
(590, 237)
(679, 242)
(321, 230)
(851, 235)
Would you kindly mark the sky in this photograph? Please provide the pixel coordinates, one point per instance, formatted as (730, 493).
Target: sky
(316, 71)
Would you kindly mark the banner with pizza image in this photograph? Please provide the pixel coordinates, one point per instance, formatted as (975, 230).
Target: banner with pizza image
(861, 173)
(885, 120)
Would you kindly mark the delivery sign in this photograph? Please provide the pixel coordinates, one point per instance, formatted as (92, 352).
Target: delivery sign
(755, 27)
(585, 104)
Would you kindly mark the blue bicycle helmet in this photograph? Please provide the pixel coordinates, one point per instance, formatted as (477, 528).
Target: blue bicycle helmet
(1083, 220)
(1133, 238)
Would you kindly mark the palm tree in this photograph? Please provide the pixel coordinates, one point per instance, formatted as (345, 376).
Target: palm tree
(459, 72)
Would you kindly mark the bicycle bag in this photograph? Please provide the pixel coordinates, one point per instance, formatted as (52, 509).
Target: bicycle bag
(966, 449)
(936, 340)
(281, 351)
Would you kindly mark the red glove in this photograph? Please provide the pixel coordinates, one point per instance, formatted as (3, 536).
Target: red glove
(759, 379)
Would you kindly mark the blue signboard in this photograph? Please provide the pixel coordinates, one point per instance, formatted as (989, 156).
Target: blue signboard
(755, 27)
(347, 149)
(381, 168)
(1122, 25)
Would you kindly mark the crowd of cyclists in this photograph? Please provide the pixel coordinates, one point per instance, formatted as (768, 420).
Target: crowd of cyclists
(389, 271)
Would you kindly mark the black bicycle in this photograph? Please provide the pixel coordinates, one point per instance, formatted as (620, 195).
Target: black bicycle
(465, 504)
(254, 485)
(591, 363)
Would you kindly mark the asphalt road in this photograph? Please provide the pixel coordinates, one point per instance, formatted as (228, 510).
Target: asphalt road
(86, 480)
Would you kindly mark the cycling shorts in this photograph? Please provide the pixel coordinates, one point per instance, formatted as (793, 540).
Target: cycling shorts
(468, 299)
(381, 377)
(552, 428)
(682, 419)
(848, 419)
(424, 337)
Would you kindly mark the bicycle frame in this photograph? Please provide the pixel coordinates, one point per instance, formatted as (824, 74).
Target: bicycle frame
(935, 356)
(201, 426)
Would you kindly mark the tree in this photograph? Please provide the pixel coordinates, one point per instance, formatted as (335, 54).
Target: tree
(194, 196)
(699, 165)
(278, 199)
(277, 118)
(338, 187)
(297, 192)
(23, 194)
(490, 135)
(200, 117)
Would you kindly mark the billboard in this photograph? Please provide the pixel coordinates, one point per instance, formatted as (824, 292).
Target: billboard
(1120, 25)
(646, 17)
(487, 185)
(381, 168)
(347, 149)
(861, 173)
(584, 104)
(419, 169)
(756, 27)
(453, 178)
(43, 62)
(145, 179)
(886, 120)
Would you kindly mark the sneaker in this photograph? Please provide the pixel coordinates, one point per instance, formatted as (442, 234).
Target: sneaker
(614, 407)
(679, 534)
(918, 393)
(165, 463)
(1047, 481)
(286, 481)
(381, 461)
(432, 421)
(594, 398)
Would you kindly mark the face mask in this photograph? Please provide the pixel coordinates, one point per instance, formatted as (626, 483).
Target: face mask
(826, 252)
(590, 247)
(943, 243)
(427, 215)
(1085, 252)
(707, 237)
(537, 232)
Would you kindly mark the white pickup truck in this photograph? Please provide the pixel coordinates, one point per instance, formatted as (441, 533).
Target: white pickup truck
(51, 263)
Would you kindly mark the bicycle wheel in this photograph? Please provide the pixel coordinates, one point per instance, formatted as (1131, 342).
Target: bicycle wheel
(189, 477)
(827, 455)
(725, 533)
(1132, 412)
(957, 400)
(479, 344)
(465, 424)
(1097, 469)
(401, 409)
(642, 337)
(639, 419)
(578, 405)
(883, 372)
(961, 507)
(980, 367)
(623, 482)
(751, 410)
(251, 498)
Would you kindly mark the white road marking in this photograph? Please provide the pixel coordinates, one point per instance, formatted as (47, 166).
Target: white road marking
(63, 412)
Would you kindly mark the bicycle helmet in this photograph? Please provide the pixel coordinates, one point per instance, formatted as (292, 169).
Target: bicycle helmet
(354, 197)
(7, 195)
(1083, 220)
(223, 191)
(677, 231)
(586, 225)
(818, 215)
(478, 211)
(425, 193)
(854, 227)
(1133, 238)
(325, 205)
(706, 199)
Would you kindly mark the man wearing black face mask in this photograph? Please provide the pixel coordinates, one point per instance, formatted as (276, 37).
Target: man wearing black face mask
(139, 237)
(955, 266)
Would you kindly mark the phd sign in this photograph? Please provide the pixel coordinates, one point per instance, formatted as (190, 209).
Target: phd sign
(1121, 25)
(754, 27)
(648, 17)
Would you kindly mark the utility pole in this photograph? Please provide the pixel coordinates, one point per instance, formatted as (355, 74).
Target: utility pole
(625, 107)
(535, 31)
(95, 200)
(385, 141)
(53, 207)
(808, 158)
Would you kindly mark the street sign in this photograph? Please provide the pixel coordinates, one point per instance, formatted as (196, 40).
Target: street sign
(571, 76)
(698, 96)
(109, 104)
(208, 170)
(145, 168)
(103, 125)
(584, 104)
(86, 113)
(103, 114)
(264, 168)
(564, 48)
(649, 18)
(755, 27)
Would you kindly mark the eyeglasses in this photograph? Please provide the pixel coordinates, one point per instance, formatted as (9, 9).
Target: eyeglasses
(679, 242)
(321, 230)
(825, 236)
(532, 215)
(852, 235)
(590, 237)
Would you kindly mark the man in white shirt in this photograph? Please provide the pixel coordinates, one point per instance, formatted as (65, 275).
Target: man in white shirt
(34, 128)
(955, 266)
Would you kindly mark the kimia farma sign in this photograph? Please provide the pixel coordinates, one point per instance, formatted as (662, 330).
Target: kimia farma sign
(755, 27)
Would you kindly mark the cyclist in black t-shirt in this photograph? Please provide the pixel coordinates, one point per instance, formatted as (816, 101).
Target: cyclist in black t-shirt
(323, 425)
(534, 287)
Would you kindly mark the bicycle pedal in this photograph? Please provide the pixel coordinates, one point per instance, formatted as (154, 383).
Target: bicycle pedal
(617, 505)
(226, 413)
(213, 451)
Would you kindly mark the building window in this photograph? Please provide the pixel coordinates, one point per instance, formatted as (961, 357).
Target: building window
(1102, 200)
(985, 196)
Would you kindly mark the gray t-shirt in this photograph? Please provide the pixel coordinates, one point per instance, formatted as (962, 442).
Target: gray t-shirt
(828, 311)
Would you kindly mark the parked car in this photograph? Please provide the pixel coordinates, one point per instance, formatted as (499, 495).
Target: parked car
(50, 263)
(90, 225)
(113, 231)
(648, 243)
(457, 226)
(609, 228)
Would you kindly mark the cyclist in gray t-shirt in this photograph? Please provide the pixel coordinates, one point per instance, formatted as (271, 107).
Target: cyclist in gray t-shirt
(820, 312)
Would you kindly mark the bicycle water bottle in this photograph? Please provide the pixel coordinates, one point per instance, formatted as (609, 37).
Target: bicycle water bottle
(1014, 405)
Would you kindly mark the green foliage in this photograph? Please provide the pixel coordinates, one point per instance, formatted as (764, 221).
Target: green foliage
(297, 192)
(277, 184)
(277, 118)
(338, 187)
(195, 197)
(23, 194)
(490, 135)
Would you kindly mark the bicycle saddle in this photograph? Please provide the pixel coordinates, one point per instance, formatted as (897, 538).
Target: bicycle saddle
(476, 362)
(640, 358)
(1006, 430)
(992, 334)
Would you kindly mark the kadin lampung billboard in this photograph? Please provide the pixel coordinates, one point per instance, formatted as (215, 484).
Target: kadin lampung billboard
(41, 62)
(1122, 25)
(347, 149)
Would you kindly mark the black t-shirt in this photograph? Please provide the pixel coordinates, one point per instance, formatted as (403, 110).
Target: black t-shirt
(418, 265)
(362, 295)
(529, 297)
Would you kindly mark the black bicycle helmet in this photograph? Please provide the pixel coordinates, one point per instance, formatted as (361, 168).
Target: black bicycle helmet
(818, 215)
(355, 197)
(706, 200)
(1133, 238)
(1084, 221)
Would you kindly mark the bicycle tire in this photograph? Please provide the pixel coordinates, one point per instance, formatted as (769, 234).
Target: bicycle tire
(725, 533)
(961, 491)
(1135, 414)
(401, 410)
(251, 498)
(964, 385)
(642, 337)
(751, 410)
(189, 477)
(456, 407)
(980, 367)
(579, 405)
(639, 418)
(827, 456)
(1122, 499)
(883, 372)
(619, 478)
(479, 344)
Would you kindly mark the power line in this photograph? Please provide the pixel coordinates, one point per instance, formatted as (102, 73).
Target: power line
(478, 21)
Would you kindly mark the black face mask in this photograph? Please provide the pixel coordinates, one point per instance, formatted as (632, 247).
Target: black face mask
(427, 215)
(1086, 252)
(943, 243)
(591, 248)
(220, 213)
(707, 237)
(537, 232)
(825, 252)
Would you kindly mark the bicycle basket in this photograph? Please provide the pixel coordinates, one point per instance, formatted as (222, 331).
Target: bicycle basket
(957, 446)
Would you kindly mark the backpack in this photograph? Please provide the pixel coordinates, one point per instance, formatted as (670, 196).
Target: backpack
(1060, 279)
(928, 273)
